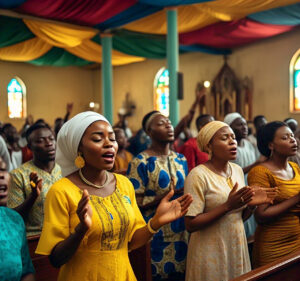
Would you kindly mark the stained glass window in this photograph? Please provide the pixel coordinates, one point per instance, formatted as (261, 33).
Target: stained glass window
(296, 84)
(161, 91)
(16, 96)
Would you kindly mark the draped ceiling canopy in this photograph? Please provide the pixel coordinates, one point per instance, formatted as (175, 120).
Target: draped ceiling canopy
(67, 32)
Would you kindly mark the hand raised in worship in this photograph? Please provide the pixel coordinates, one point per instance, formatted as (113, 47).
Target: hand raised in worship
(200, 92)
(263, 195)
(69, 107)
(168, 211)
(84, 211)
(239, 198)
(36, 184)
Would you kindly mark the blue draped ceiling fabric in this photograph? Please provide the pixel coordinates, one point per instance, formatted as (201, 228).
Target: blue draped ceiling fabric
(66, 32)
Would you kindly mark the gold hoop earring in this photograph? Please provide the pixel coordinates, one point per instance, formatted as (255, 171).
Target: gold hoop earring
(79, 161)
(209, 154)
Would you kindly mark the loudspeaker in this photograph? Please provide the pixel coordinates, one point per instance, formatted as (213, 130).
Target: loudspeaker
(180, 85)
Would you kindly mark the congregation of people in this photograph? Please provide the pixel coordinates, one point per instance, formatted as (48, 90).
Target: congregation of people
(213, 204)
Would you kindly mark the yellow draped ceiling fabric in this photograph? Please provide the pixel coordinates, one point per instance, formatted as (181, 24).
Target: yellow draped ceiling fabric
(193, 17)
(60, 36)
(25, 51)
(74, 39)
(92, 51)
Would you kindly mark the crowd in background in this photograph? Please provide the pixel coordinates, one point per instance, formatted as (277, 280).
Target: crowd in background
(213, 205)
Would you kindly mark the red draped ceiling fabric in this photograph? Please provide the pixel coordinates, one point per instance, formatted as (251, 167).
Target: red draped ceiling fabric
(88, 12)
(232, 34)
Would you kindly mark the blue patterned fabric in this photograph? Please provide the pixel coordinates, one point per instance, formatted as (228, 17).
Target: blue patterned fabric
(15, 260)
(151, 176)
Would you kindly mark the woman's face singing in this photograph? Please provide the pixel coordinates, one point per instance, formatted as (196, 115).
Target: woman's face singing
(99, 146)
(284, 142)
(223, 144)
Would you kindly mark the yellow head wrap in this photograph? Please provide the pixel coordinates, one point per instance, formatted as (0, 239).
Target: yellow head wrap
(207, 132)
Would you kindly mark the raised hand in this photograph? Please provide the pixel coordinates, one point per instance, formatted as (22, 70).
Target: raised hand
(84, 211)
(239, 198)
(69, 107)
(36, 184)
(168, 211)
(263, 195)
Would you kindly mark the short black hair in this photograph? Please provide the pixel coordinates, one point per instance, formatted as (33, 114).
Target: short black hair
(35, 127)
(257, 118)
(6, 126)
(146, 117)
(200, 119)
(266, 134)
(40, 121)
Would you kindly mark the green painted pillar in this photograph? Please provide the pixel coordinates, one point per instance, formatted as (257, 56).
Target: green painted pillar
(172, 57)
(106, 71)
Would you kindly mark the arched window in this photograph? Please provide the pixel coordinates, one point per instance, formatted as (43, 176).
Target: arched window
(16, 96)
(295, 82)
(161, 91)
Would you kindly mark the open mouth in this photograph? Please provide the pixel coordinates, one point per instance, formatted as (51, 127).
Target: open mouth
(3, 192)
(108, 157)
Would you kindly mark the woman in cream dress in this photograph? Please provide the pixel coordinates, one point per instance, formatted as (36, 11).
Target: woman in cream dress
(217, 248)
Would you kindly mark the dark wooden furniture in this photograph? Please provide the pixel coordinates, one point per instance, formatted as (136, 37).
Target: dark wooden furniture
(284, 269)
(43, 268)
(140, 260)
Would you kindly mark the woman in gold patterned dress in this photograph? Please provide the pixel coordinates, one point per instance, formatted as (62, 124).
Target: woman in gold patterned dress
(91, 216)
(278, 231)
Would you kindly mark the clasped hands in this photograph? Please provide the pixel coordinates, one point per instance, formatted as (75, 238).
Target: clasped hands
(251, 196)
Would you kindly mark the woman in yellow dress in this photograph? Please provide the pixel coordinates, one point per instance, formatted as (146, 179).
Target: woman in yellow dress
(278, 231)
(91, 216)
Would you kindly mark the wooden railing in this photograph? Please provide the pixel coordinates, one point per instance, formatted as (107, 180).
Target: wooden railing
(140, 260)
(284, 269)
(44, 271)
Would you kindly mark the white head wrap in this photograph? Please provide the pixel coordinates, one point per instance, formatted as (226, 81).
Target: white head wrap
(230, 117)
(291, 121)
(207, 132)
(69, 137)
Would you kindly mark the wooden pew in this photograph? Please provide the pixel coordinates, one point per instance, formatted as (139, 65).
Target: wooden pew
(43, 268)
(140, 260)
(284, 269)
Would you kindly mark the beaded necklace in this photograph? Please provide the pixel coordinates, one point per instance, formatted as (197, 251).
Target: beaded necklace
(92, 184)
